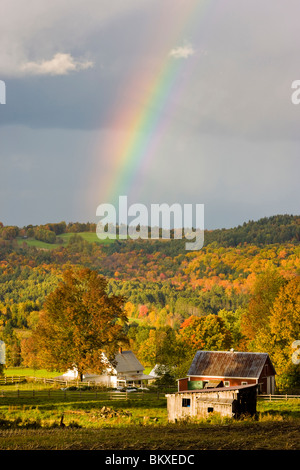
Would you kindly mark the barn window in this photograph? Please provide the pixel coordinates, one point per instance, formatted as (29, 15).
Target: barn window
(244, 383)
(226, 383)
(186, 402)
(210, 409)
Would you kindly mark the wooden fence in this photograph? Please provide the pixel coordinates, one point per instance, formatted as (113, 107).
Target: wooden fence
(9, 380)
(278, 397)
(125, 395)
(58, 394)
(64, 383)
(79, 394)
(14, 379)
(89, 389)
(62, 389)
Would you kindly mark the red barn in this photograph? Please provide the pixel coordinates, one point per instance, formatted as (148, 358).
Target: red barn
(211, 369)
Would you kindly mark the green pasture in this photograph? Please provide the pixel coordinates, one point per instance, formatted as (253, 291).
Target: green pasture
(35, 415)
(90, 237)
(20, 371)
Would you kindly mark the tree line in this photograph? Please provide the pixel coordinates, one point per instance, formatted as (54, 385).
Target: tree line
(265, 231)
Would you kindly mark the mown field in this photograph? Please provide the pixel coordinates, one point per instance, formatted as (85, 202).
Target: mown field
(87, 421)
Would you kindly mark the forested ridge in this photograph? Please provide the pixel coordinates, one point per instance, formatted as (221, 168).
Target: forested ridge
(164, 286)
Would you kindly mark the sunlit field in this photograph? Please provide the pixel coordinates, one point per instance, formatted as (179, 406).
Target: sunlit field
(39, 416)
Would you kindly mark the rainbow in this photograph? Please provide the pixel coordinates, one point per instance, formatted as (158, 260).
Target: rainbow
(141, 126)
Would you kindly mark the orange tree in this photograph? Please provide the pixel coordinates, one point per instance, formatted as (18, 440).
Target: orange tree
(79, 322)
(199, 333)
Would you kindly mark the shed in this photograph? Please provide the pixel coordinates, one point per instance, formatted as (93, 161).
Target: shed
(232, 402)
(232, 368)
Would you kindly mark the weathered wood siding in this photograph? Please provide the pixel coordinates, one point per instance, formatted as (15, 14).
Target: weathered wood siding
(231, 402)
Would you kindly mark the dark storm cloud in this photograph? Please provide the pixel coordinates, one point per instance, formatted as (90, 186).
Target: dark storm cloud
(232, 139)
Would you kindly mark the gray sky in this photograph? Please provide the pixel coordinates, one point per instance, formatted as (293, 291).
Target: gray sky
(201, 90)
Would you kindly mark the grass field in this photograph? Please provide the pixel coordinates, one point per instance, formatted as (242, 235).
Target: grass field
(88, 236)
(32, 422)
(27, 372)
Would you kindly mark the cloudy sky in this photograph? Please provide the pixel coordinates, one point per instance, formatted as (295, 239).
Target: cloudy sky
(165, 101)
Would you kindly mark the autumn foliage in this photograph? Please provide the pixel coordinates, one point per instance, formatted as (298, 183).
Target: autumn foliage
(284, 331)
(78, 323)
(239, 291)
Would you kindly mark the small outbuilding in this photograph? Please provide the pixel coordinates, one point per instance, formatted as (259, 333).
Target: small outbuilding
(229, 369)
(226, 401)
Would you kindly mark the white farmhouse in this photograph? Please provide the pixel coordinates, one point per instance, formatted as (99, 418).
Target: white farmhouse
(127, 371)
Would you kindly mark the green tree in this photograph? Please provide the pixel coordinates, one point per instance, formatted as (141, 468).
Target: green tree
(232, 321)
(165, 376)
(78, 323)
(208, 333)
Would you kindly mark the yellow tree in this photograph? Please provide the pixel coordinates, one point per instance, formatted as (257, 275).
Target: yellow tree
(147, 350)
(255, 323)
(78, 323)
(285, 331)
(129, 308)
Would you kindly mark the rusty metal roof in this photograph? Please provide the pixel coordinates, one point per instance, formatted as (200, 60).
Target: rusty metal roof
(227, 364)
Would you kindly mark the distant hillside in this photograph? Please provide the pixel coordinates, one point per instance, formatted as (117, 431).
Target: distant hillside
(266, 231)
(155, 275)
(277, 229)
